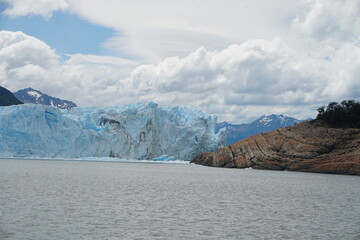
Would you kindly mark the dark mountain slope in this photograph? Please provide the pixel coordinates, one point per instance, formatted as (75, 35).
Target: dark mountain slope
(7, 98)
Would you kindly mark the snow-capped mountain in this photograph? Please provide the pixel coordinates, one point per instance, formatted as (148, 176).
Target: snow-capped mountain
(30, 95)
(139, 131)
(237, 132)
(7, 98)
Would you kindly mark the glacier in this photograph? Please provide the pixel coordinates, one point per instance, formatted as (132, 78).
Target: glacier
(137, 131)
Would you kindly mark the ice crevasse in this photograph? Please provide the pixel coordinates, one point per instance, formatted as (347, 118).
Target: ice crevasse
(139, 131)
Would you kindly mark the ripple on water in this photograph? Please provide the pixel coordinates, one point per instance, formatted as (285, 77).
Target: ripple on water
(110, 200)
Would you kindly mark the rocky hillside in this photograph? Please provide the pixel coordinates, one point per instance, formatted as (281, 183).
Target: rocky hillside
(308, 146)
(7, 98)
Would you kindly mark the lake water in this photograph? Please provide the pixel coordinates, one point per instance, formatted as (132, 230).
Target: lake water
(44, 199)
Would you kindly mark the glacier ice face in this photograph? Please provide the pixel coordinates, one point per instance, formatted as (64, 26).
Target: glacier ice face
(164, 158)
(139, 131)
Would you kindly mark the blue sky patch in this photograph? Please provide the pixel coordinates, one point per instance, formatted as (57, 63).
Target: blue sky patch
(67, 33)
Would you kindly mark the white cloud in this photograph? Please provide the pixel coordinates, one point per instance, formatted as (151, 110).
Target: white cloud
(201, 57)
(343, 72)
(42, 8)
(24, 59)
(87, 79)
(37, 52)
(331, 20)
(238, 83)
(245, 78)
(150, 31)
(95, 59)
(153, 30)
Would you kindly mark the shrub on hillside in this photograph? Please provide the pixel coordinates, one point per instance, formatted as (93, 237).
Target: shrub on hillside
(343, 115)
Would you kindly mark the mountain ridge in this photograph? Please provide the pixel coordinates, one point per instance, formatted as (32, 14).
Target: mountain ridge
(30, 95)
(237, 132)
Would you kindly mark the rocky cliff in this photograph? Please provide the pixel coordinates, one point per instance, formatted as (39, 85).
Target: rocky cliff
(309, 147)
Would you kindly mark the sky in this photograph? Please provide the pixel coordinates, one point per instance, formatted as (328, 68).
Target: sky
(237, 59)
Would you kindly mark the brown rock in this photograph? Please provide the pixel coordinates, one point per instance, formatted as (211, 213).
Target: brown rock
(308, 147)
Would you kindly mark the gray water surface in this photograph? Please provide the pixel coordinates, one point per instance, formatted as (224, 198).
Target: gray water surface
(42, 199)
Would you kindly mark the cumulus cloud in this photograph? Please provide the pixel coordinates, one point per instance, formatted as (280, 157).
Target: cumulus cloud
(87, 79)
(238, 83)
(205, 70)
(42, 8)
(24, 59)
(241, 80)
(331, 20)
(334, 28)
(343, 73)
(255, 72)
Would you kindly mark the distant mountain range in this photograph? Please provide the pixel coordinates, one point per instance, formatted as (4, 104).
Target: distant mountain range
(30, 95)
(237, 132)
(7, 98)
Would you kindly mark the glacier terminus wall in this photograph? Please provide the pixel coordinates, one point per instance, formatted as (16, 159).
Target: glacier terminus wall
(139, 131)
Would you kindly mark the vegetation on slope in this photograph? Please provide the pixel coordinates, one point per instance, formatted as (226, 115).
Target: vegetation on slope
(341, 115)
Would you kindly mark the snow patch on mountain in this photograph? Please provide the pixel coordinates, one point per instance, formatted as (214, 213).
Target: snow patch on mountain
(30, 95)
(265, 119)
(35, 94)
(237, 132)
